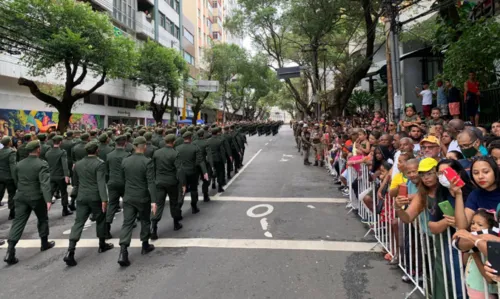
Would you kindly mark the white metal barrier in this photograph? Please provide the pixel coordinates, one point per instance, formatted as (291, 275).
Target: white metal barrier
(429, 261)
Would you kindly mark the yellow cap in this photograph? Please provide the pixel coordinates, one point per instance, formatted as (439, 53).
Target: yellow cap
(427, 164)
(430, 139)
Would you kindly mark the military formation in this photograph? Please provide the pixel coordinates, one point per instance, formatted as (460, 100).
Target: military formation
(307, 137)
(142, 166)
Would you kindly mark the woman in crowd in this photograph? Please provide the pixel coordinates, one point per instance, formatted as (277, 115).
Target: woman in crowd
(393, 129)
(446, 139)
(494, 151)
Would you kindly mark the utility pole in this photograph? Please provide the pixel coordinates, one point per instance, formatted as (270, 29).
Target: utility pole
(392, 58)
(156, 19)
(388, 58)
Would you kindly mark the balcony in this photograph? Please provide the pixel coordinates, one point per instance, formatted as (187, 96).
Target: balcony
(166, 39)
(144, 26)
(210, 9)
(101, 5)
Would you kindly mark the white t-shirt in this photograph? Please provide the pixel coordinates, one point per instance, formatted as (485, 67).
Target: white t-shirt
(395, 169)
(426, 97)
(1, 146)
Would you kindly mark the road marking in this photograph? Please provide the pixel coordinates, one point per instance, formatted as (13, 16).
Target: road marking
(266, 143)
(269, 210)
(287, 156)
(223, 243)
(283, 160)
(280, 199)
(264, 223)
(241, 170)
(311, 207)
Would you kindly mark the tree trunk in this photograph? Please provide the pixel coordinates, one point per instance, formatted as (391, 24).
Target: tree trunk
(172, 107)
(64, 117)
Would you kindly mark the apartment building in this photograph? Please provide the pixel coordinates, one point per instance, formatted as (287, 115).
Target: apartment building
(116, 100)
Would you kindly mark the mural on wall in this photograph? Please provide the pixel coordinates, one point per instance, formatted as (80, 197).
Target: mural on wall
(150, 122)
(12, 120)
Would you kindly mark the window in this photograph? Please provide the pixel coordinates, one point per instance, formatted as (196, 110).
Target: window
(188, 36)
(122, 103)
(94, 99)
(124, 12)
(216, 35)
(188, 58)
(163, 21)
(177, 32)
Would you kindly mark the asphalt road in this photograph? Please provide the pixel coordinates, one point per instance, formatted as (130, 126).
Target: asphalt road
(279, 231)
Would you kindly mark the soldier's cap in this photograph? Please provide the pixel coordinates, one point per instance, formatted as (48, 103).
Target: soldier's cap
(142, 132)
(42, 136)
(85, 137)
(200, 132)
(188, 134)
(148, 136)
(103, 137)
(190, 128)
(139, 140)
(183, 130)
(113, 130)
(170, 138)
(5, 140)
(91, 146)
(57, 138)
(121, 138)
(93, 132)
(159, 130)
(51, 135)
(215, 130)
(27, 137)
(32, 145)
(128, 135)
(110, 133)
(205, 127)
(69, 133)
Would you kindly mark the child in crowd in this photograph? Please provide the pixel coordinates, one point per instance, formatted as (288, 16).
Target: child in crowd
(411, 117)
(435, 118)
(474, 271)
(378, 119)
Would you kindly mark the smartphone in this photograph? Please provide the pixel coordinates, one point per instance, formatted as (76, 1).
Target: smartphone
(451, 174)
(446, 208)
(403, 190)
(494, 254)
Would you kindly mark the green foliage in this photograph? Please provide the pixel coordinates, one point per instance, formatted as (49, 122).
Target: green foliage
(360, 99)
(423, 32)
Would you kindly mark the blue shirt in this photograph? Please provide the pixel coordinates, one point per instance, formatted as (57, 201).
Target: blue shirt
(441, 96)
(483, 199)
(483, 150)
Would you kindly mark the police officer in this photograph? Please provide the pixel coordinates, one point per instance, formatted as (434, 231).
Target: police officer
(218, 157)
(92, 198)
(139, 199)
(59, 173)
(169, 178)
(8, 173)
(191, 159)
(206, 153)
(33, 194)
(116, 186)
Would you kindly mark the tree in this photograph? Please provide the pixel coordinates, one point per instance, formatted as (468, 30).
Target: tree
(71, 40)
(161, 72)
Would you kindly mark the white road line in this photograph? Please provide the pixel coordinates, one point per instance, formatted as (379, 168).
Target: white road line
(280, 199)
(224, 243)
(241, 170)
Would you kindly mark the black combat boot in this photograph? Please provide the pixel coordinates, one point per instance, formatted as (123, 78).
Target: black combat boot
(316, 163)
(46, 244)
(177, 225)
(220, 190)
(72, 205)
(306, 162)
(92, 217)
(154, 231)
(69, 258)
(12, 214)
(66, 211)
(123, 257)
(103, 246)
(10, 257)
(322, 163)
(147, 248)
(107, 234)
(228, 177)
(195, 209)
(213, 185)
(206, 198)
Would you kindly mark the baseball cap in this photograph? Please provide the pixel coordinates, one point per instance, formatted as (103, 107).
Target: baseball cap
(427, 164)
(430, 139)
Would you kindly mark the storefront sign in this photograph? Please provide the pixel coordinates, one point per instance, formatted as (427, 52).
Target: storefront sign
(122, 112)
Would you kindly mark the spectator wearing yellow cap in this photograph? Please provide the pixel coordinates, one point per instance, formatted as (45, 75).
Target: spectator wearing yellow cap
(430, 147)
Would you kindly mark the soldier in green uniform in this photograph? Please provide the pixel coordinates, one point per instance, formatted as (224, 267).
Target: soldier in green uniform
(306, 144)
(22, 152)
(104, 148)
(191, 159)
(92, 198)
(116, 186)
(42, 137)
(59, 173)
(150, 148)
(179, 139)
(7, 174)
(129, 148)
(79, 151)
(140, 198)
(169, 178)
(236, 148)
(51, 135)
(67, 145)
(206, 152)
(111, 137)
(228, 143)
(93, 135)
(33, 194)
(218, 157)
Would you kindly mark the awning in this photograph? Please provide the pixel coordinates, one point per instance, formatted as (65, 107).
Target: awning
(376, 68)
(423, 52)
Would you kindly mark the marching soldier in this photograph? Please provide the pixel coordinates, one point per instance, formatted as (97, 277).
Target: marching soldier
(218, 157)
(306, 144)
(318, 146)
(67, 145)
(7, 174)
(79, 151)
(168, 179)
(33, 194)
(207, 160)
(191, 158)
(92, 198)
(116, 186)
(129, 148)
(139, 199)
(42, 137)
(59, 173)
(150, 148)
(22, 152)
(179, 139)
(235, 148)
(104, 148)
(229, 154)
